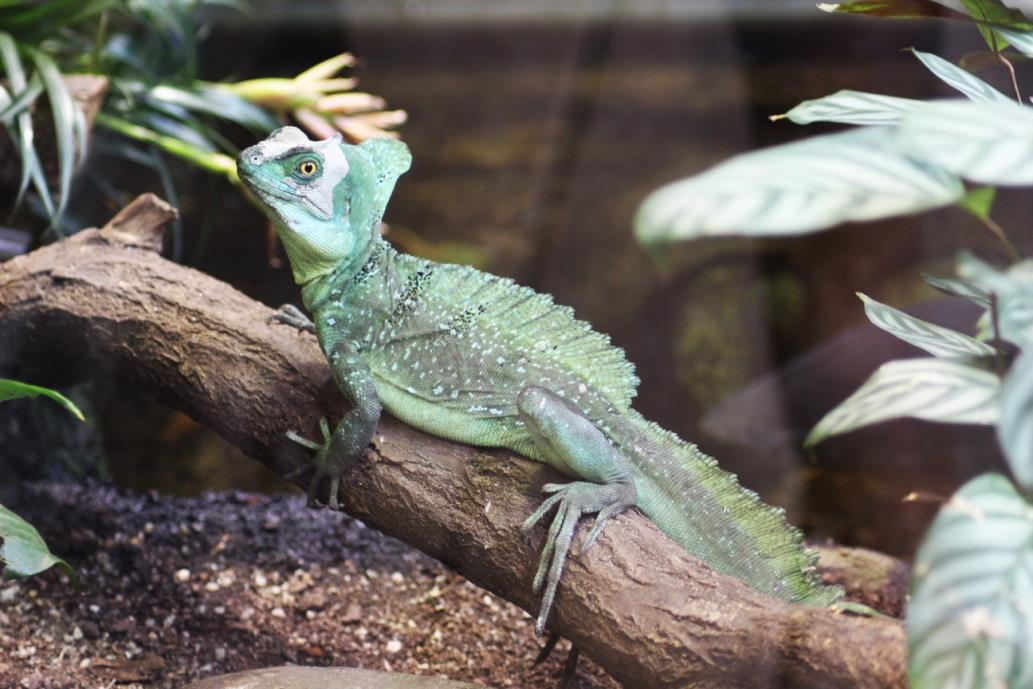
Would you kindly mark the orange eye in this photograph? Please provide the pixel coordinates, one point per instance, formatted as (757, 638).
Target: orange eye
(307, 168)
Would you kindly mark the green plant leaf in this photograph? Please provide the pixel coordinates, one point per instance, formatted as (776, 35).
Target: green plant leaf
(929, 389)
(990, 143)
(23, 552)
(24, 135)
(979, 201)
(969, 84)
(1014, 291)
(943, 343)
(959, 288)
(1015, 429)
(13, 389)
(796, 188)
(1020, 40)
(66, 131)
(998, 14)
(852, 107)
(895, 9)
(968, 621)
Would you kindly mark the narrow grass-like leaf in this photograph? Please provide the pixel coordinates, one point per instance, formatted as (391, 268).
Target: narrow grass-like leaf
(1015, 429)
(894, 9)
(24, 135)
(62, 106)
(970, 617)
(929, 389)
(13, 389)
(796, 188)
(941, 342)
(991, 143)
(959, 288)
(852, 107)
(218, 102)
(23, 552)
(968, 84)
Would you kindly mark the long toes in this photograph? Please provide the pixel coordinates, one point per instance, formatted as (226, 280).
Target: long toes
(600, 522)
(324, 428)
(554, 487)
(303, 441)
(542, 510)
(313, 488)
(297, 471)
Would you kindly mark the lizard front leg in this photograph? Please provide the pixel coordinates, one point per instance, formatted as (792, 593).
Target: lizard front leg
(340, 450)
(572, 444)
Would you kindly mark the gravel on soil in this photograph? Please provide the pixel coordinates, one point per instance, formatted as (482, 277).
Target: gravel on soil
(175, 589)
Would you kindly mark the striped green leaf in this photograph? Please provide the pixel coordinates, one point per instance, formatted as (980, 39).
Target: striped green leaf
(23, 551)
(1015, 429)
(929, 389)
(941, 342)
(969, 620)
(852, 107)
(969, 84)
(991, 143)
(796, 188)
(895, 9)
(959, 288)
(1014, 291)
(1020, 40)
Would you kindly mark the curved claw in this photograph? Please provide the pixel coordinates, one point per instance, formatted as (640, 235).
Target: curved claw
(291, 315)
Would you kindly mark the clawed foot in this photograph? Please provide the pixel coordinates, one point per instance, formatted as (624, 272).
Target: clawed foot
(291, 315)
(574, 499)
(322, 465)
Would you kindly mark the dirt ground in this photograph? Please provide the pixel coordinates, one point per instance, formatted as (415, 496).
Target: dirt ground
(176, 589)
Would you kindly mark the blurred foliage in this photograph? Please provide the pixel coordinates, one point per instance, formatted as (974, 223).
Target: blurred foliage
(968, 620)
(23, 552)
(155, 107)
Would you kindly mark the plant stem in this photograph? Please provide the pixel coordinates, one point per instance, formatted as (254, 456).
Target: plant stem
(1011, 73)
(998, 231)
(995, 321)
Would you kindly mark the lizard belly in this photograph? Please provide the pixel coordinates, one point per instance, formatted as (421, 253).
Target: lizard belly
(456, 424)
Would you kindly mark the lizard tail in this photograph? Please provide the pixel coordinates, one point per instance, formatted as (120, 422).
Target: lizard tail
(702, 507)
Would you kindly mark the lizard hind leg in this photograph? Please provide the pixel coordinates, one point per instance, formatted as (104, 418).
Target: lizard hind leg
(571, 443)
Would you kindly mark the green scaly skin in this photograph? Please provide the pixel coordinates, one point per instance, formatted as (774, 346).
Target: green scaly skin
(477, 359)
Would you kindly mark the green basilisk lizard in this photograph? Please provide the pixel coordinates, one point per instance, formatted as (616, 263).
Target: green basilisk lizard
(478, 359)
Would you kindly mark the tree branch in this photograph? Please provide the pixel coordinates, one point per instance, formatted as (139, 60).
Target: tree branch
(104, 303)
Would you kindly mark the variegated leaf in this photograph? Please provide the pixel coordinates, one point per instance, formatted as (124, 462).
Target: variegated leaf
(1014, 291)
(1020, 40)
(970, 617)
(929, 389)
(990, 143)
(852, 107)
(941, 342)
(800, 187)
(969, 84)
(959, 288)
(1015, 429)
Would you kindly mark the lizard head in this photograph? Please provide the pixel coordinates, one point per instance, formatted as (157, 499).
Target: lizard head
(326, 198)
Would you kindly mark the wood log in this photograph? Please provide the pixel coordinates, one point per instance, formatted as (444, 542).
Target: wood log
(104, 303)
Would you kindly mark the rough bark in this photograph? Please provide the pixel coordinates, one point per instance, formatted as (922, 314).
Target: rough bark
(104, 303)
